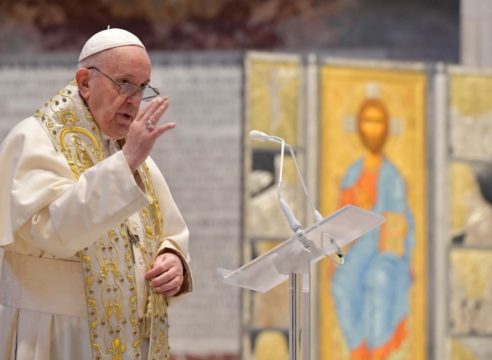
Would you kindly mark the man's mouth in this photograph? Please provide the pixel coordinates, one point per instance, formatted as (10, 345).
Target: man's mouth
(127, 116)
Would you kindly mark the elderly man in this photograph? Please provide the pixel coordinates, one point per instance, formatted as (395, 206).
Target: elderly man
(93, 244)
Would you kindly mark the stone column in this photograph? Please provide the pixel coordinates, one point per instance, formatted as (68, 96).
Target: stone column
(476, 33)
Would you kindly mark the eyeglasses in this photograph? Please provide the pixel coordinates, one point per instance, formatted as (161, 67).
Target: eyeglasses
(128, 89)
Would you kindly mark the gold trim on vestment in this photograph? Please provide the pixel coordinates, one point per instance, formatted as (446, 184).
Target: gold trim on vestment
(108, 267)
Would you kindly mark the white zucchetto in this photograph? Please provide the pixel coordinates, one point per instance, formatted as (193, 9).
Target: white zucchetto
(108, 39)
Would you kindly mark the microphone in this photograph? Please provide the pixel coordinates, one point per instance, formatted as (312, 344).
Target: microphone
(258, 135)
(292, 220)
(261, 136)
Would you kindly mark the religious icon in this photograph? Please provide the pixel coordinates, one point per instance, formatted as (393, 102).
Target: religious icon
(371, 289)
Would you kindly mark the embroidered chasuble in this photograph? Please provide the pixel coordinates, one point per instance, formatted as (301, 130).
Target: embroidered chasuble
(110, 286)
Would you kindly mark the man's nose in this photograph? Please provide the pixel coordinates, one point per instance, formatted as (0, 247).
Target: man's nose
(135, 98)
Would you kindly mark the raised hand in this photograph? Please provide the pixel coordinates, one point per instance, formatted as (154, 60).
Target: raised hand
(144, 131)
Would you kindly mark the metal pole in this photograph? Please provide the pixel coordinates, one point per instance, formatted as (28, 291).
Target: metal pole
(293, 316)
(306, 316)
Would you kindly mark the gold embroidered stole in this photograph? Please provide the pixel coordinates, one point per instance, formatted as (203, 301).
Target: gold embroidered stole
(109, 276)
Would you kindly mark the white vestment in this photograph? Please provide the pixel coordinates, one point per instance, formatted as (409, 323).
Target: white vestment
(47, 216)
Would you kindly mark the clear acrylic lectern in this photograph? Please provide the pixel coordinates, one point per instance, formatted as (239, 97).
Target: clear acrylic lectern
(294, 257)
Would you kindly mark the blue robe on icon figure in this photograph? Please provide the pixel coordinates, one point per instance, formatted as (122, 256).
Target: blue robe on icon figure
(371, 289)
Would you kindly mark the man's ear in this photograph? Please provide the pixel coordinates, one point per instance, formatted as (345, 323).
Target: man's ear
(82, 78)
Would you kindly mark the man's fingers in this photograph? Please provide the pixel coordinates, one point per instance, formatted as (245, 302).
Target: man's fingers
(165, 283)
(166, 276)
(170, 287)
(155, 108)
(157, 113)
(167, 292)
(163, 128)
(161, 279)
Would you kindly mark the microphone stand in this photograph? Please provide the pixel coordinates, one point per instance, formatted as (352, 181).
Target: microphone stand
(299, 337)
